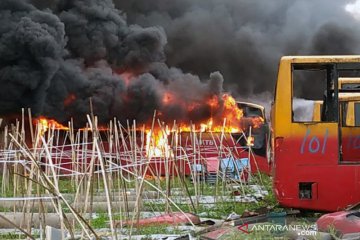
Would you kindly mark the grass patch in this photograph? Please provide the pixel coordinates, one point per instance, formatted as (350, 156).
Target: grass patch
(12, 236)
(101, 221)
(16, 236)
(222, 209)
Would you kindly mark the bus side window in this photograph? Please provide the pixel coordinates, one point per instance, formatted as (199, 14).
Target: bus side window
(311, 96)
(357, 114)
(350, 114)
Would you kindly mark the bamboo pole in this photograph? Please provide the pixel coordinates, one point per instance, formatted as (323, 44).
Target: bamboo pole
(46, 183)
(219, 164)
(102, 164)
(89, 188)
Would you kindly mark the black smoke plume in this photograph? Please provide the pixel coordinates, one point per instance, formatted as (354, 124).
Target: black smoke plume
(244, 39)
(57, 55)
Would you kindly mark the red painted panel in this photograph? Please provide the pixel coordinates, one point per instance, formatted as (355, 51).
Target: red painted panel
(314, 161)
(351, 147)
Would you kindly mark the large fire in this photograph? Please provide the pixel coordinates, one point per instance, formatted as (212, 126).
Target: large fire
(157, 138)
(157, 143)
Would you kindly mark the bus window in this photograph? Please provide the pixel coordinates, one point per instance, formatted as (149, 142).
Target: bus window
(350, 86)
(317, 109)
(254, 117)
(253, 112)
(350, 126)
(357, 114)
(349, 83)
(310, 90)
(350, 109)
(351, 114)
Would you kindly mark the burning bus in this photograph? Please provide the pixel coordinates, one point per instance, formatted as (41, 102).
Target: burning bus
(249, 147)
(256, 128)
(180, 149)
(157, 148)
(315, 159)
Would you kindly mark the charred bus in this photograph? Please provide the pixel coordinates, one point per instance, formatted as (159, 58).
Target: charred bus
(316, 161)
(256, 130)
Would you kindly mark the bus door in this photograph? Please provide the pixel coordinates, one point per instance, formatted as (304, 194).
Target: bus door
(315, 112)
(349, 127)
(315, 128)
(349, 97)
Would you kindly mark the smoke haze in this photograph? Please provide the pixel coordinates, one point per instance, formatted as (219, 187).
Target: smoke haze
(132, 57)
(243, 39)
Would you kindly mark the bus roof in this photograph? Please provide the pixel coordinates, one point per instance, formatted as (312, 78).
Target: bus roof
(322, 59)
(251, 105)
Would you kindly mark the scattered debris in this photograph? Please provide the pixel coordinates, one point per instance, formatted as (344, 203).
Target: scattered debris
(233, 216)
(176, 218)
(216, 234)
(248, 220)
(54, 233)
(343, 223)
(248, 213)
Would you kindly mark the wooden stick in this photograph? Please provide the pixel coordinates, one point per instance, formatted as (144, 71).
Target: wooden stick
(102, 164)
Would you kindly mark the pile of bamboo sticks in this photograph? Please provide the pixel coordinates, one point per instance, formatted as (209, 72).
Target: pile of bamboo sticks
(113, 163)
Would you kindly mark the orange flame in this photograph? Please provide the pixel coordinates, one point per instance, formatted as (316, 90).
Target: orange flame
(44, 124)
(157, 143)
(257, 122)
(250, 141)
(167, 98)
(232, 112)
(213, 102)
(225, 116)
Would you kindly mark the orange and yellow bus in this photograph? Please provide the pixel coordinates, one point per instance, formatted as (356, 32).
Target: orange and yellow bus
(316, 163)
